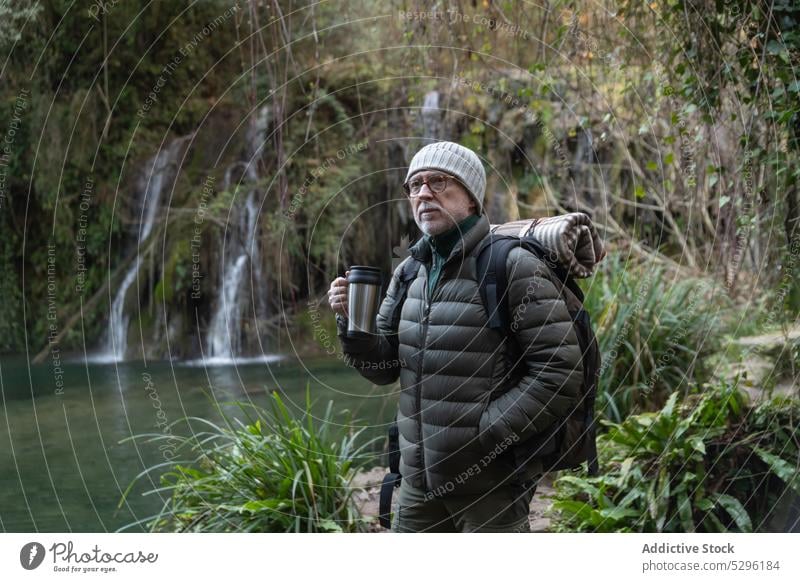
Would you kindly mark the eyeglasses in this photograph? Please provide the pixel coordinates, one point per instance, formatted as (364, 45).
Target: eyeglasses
(437, 183)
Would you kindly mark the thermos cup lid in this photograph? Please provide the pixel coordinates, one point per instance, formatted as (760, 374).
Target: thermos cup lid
(364, 274)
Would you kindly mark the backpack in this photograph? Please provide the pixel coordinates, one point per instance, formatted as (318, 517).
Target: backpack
(570, 441)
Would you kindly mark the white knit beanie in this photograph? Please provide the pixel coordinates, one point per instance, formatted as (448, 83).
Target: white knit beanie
(456, 160)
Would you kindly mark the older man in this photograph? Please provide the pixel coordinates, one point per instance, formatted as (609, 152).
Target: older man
(465, 407)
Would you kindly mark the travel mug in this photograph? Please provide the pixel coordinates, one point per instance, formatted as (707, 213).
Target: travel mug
(363, 295)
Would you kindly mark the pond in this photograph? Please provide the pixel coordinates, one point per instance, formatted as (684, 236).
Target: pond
(63, 465)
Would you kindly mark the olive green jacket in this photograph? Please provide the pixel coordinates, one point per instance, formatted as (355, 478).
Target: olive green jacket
(464, 421)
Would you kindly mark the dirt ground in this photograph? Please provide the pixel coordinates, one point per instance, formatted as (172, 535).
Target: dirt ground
(367, 494)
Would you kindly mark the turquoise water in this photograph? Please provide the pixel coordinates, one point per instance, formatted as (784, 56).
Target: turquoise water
(63, 466)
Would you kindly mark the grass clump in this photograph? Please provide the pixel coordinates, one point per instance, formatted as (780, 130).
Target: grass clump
(277, 473)
(655, 332)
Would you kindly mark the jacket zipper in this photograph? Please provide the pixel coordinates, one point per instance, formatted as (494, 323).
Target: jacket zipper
(428, 298)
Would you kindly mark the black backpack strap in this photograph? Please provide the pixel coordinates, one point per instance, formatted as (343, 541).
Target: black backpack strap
(591, 369)
(593, 466)
(493, 279)
(391, 480)
(394, 448)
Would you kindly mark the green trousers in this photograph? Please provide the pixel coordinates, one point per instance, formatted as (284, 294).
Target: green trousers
(505, 509)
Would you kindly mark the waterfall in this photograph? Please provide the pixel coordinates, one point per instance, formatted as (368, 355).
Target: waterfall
(240, 250)
(160, 173)
(222, 342)
(432, 116)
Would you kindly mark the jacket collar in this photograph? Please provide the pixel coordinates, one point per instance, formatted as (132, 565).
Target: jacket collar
(443, 243)
(421, 249)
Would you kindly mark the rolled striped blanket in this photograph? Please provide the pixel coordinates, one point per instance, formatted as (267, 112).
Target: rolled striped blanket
(572, 237)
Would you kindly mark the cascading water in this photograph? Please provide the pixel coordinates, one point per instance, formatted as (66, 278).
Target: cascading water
(432, 116)
(160, 173)
(224, 334)
(240, 249)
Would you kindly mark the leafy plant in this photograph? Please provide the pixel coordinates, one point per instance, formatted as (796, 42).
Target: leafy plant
(278, 473)
(654, 333)
(711, 463)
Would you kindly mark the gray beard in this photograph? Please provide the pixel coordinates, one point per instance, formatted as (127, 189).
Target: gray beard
(425, 228)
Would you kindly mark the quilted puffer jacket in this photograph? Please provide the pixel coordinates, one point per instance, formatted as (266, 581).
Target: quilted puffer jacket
(464, 419)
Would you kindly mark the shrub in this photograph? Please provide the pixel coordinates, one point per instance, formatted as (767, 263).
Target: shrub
(276, 474)
(655, 334)
(711, 463)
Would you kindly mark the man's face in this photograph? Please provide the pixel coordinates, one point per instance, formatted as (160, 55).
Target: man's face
(436, 213)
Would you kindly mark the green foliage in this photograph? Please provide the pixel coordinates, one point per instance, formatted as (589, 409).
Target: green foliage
(757, 47)
(709, 463)
(63, 128)
(14, 15)
(662, 104)
(736, 64)
(11, 324)
(176, 276)
(654, 332)
(277, 473)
